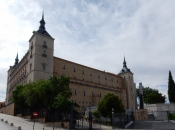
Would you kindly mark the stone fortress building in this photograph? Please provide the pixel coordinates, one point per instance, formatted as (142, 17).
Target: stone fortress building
(88, 85)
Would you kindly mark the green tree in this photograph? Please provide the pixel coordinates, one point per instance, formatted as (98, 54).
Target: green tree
(96, 113)
(108, 102)
(49, 94)
(151, 96)
(171, 88)
(18, 97)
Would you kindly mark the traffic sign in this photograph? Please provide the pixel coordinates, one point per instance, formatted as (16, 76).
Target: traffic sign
(35, 114)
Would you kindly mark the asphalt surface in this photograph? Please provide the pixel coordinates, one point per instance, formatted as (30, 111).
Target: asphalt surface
(26, 124)
(5, 126)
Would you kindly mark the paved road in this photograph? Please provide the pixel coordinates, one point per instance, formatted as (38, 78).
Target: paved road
(4, 126)
(26, 124)
(153, 125)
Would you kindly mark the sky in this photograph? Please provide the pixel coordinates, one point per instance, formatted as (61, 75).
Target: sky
(95, 33)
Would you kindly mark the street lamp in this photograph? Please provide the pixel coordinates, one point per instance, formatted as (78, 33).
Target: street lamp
(168, 114)
(112, 118)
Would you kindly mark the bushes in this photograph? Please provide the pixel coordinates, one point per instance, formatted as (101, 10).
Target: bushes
(171, 116)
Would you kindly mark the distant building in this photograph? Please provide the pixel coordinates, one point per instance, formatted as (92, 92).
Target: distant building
(88, 85)
(160, 107)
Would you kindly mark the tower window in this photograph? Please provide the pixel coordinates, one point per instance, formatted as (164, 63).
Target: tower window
(82, 71)
(44, 53)
(45, 44)
(43, 66)
(30, 67)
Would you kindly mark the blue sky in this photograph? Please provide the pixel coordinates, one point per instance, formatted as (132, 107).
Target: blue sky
(97, 34)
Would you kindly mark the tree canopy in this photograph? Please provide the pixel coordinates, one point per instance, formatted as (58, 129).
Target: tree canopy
(171, 88)
(49, 94)
(108, 102)
(151, 96)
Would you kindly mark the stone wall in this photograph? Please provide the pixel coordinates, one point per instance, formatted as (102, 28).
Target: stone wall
(9, 109)
(141, 114)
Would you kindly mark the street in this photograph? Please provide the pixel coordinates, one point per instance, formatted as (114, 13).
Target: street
(5, 126)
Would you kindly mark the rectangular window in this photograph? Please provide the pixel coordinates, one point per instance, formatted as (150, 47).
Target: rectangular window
(84, 93)
(30, 67)
(75, 91)
(92, 93)
(74, 70)
(82, 71)
(45, 44)
(100, 95)
(64, 66)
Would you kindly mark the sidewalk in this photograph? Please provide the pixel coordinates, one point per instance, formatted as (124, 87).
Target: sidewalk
(25, 124)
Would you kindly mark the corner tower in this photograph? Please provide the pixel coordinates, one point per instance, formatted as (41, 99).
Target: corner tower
(41, 47)
(128, 82)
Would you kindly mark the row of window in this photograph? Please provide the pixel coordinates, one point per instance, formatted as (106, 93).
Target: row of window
(83, 72)
(44, 53)
(44, 65)
(82, 102)
(84, 93)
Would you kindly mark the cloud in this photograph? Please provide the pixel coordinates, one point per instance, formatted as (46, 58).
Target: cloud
(102, 32)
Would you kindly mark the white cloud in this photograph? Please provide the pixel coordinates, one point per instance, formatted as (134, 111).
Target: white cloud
(101, 32)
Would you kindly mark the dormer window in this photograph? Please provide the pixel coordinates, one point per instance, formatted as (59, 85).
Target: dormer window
(45, 44)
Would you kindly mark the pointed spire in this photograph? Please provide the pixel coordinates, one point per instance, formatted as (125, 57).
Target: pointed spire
(43, 15)
(42, 29)
(42, 22)
(16, 56)
(124, 62)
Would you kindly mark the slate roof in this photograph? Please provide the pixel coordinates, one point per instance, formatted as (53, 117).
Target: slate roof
(42, 29)
(125, 68)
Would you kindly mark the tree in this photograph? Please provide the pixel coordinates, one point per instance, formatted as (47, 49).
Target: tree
(151, 96)
(171, 88)
(96, 113)
(107, 103)
(49, 94)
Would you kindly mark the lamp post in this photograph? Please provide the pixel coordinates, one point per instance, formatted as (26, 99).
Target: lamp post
(71, 115)
(90, 119)
(112, 118)
(168, 114)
